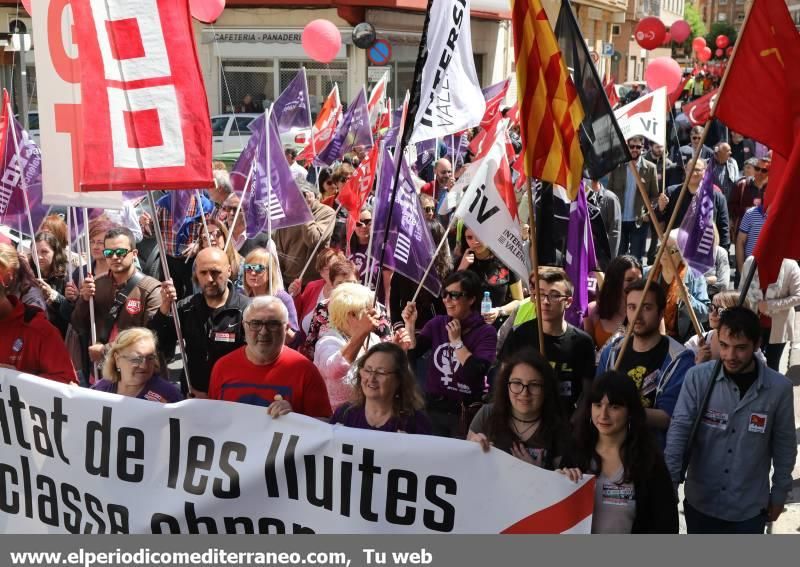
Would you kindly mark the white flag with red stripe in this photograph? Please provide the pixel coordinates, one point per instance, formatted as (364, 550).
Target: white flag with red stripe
(645, 116)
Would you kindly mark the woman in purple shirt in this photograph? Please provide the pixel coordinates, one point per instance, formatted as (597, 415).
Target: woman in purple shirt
(463, 348)
(130, 369)
(385, 396)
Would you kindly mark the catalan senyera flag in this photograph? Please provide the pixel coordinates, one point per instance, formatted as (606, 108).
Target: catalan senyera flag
(550, 111)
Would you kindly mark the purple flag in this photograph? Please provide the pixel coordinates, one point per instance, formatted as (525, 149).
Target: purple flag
(241, 169)
(291, 109)
(580, 257)
(409, 246)
(354, 130)
(456, 148)
(493, 90)
(426, 153)
(390, 138)
(20, 173)
(272, 186)
(696, 234)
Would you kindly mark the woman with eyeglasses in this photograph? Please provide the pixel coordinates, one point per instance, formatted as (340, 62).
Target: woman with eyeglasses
(525, 417)
(131, 369)
(428, 206)
(633, 488)
(385, 395)
(359, 244)
(504, 287)
(262, 276)
(463, 347)
(607, 315)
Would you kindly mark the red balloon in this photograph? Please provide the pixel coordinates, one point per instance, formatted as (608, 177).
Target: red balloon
(704, 54)
(27, 4)
(722, 41)
(729, 51)
(718, 53)
(680, 31)
(667, 38)
(663, 72)
(207, 11)
(650, 32)
(698, 43)
(321, 40)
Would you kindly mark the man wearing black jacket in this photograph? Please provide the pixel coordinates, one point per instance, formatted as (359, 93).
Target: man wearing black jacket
(211, 321)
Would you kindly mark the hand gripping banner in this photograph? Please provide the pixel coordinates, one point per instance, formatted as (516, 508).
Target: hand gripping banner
(145, 122)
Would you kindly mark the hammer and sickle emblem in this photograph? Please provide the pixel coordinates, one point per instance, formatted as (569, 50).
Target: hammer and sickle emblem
(772, 51)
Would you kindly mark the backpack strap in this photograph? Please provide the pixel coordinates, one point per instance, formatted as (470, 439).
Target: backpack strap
(119, 300)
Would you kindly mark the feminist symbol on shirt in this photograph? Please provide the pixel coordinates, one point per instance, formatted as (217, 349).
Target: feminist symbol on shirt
(445, 362)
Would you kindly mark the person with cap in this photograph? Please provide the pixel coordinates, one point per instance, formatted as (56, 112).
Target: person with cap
(296, 243)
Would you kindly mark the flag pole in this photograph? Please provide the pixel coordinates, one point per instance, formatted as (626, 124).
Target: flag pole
(535, 268)
(203, 214)
(368, 258)
(165, 268)
(433, 258)
(318, 244)
(92, 323)
(673, 219)
(267, 157)
(239, 206)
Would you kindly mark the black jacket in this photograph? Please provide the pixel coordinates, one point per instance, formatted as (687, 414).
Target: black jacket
(721, 218)
(208, 334)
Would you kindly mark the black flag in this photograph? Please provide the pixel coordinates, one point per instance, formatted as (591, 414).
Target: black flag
(602, 143)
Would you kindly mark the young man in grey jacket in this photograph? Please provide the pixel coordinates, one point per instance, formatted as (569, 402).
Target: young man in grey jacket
(747, 426)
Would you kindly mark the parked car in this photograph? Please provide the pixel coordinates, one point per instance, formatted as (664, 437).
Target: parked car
(230, 133)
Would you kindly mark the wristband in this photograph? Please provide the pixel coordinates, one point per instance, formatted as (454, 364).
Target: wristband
(457, 345)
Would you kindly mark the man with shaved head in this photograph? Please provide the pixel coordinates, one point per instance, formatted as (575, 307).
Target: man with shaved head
(442, 179)
(211, 320)
(724, 168)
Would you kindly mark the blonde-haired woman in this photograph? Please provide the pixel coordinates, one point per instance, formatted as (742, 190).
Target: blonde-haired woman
(131, 369)
(353, 320)
(262, 276)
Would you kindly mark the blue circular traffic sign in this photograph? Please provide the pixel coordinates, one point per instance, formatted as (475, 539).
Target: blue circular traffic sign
(380, 52)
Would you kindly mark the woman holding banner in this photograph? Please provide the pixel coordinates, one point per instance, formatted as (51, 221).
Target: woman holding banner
(130, 369)
(524, 418)
(385, 395)
(633, 489)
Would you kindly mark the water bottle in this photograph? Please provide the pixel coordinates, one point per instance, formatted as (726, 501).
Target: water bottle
(486, 303)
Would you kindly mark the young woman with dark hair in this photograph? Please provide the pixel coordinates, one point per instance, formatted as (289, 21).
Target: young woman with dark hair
(525, 417)
(607, 315)
(54, 266)
(633, 491)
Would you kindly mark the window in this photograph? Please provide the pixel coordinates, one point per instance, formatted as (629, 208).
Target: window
(241, 125)
(241, 78)
(218, 125)
(723, 2)
(722, 16)
(740, 17)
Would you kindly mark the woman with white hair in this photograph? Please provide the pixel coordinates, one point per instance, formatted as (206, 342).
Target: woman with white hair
(131, 369)
(353, 320)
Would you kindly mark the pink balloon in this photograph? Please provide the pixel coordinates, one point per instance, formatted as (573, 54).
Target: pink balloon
(704, 54)
(722, 41)
(667, 38)
(321, 41)
(680, 31)
(663, 72)
(27, 4)
(207, 11)
(698, 43)
(718, 53)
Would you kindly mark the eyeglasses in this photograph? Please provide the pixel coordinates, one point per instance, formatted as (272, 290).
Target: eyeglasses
(119, 252)
(377, 372)
(229, 209)
(453, 295)
(140, 360)
(430, 209)
(717, 309)
(761, 169)
(272, 325)
(695, 137)
(553, 297)
(517, 387)
(635, 146)
(363, 223)
(255, 268)
(673, 250)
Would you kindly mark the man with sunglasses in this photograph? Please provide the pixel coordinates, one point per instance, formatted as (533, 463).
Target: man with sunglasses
(747, 193)
(123, 298)
(569, 349)
(635, 222)
(265, 372)
(211, 320)
(687, 151)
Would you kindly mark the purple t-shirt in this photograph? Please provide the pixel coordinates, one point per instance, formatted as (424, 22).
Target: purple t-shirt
(446, 376)
(355, 416)
(156, 390)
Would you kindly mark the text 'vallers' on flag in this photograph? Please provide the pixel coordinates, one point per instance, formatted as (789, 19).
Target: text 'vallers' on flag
(20, 170)
(409, 246)
(646, 116)
(550, 111)
(446, 96)
(353, 131)
(145, 122)
(488, 207)
(324, 126)
(602, 142)
(696, 233)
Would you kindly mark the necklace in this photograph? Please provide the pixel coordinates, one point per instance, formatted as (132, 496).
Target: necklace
(535, 420)
(530, 429)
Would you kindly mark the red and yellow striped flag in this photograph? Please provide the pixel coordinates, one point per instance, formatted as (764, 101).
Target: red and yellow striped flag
(550, 110)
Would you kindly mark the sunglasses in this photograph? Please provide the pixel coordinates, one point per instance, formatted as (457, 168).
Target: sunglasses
(695, 137)
(717, 309)
(761, 169)
(453, 294)
(429, 209)
(119, 252)
(255, 268)
(363, 223)
(635, 146)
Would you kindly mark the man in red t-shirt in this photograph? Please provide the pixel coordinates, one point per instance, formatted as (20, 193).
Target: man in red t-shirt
(264, 370)
(443, 179)
(28, 341)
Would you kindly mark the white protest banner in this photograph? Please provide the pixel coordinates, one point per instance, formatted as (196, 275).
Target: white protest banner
(484, 211)
(450, 96)
(58, 90)
(646, 116)
(79, 461)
